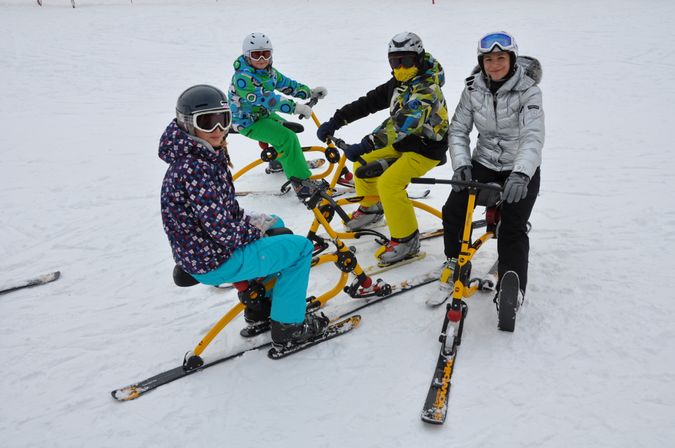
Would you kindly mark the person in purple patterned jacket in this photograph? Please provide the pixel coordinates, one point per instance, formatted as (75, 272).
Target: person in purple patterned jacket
(212, 238)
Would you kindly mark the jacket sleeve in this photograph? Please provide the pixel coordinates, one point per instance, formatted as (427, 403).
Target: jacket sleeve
(373, 101)
(532, 133)
(250, 89)
(219, 217)
(290, 87)
(460, 129)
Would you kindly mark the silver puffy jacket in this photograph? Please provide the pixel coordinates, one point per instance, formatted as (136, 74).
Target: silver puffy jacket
(510, 124)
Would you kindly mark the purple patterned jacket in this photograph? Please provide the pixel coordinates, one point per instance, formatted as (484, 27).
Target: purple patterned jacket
(201, 216)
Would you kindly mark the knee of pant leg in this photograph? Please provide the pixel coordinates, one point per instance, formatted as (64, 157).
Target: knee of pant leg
(454, 208)
(287, 138)
(389, 181)
(507, 232)
(307, 248)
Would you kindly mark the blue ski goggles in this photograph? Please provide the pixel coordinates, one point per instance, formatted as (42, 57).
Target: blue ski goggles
(491, 41)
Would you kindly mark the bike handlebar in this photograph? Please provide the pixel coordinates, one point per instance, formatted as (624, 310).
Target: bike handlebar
(461, 183)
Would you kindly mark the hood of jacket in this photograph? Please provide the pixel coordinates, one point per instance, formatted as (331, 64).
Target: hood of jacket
(176, 144)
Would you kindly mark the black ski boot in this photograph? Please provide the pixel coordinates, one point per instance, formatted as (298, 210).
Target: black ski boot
(508, 300)
(284, 335)
(257, 316)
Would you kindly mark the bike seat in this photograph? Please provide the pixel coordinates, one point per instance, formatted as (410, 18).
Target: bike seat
(295, 127)
(374, 168)
(182, 278)
(488, 198)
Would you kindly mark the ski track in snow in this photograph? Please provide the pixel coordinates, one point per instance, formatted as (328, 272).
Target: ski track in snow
(86, 94)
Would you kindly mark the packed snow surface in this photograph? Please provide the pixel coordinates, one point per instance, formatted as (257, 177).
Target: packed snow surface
(85, 94)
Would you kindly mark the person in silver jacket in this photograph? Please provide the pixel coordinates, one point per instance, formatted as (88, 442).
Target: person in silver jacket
(502, 100)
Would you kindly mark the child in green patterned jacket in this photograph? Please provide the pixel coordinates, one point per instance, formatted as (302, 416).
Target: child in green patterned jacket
(255, 104)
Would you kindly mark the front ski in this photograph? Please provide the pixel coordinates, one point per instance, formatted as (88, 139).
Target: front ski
(508, 301)
(41, 280)
(367, 299)
(333, 331)
(383, 267)
(436, 404)
(136, 390)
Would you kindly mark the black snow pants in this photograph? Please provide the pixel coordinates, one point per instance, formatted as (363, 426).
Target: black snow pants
(513, 244)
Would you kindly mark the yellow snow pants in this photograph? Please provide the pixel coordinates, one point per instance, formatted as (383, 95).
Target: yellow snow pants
(391, 187)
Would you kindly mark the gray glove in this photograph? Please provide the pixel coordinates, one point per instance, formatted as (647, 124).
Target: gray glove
(303, 110)
(319, 92)
(261, 221)
(462, 173)
(515, 187)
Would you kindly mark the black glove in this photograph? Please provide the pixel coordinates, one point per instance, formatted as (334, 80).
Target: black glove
(354, 151)
(515, 188)
(327, 129)
(462, 173)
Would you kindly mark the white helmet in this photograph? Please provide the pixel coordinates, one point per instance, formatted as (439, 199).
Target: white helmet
(406, 42)
(255, 42)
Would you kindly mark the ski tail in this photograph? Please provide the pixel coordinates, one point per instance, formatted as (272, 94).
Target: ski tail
(37, 281)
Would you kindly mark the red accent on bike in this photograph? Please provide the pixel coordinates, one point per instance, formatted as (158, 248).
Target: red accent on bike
(454, 315)
(240, 286)
(492, 215)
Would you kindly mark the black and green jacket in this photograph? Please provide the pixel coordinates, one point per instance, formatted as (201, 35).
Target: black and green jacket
(418, 120)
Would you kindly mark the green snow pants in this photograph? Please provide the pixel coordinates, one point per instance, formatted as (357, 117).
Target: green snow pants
(271, 130)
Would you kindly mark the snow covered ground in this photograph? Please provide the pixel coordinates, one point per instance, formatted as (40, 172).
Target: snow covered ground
(84, 97)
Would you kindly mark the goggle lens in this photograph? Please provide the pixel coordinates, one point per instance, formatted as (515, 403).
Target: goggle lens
(208, 122)
(405, 60)
(257, 55)
(503, 41)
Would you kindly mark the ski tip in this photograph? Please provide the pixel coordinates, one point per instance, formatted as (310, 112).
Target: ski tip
(46, 278)
(126, 394)
(432, 418)
(354, 321)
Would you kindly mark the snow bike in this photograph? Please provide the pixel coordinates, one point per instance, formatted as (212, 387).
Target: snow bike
(336, 161)
(328, 207)
(480, 194)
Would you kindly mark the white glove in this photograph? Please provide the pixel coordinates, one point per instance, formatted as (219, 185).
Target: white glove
(262, 221)
(303, 110)
(319, 92)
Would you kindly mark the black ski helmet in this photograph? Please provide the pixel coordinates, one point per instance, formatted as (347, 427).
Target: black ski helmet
(198, 99)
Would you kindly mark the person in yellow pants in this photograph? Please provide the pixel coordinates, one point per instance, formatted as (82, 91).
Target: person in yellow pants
(391, 187)
(415, 134)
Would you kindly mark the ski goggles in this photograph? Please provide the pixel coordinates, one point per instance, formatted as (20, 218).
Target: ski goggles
(258, 55)
(406, 60)
(496, 40)
(208, 121)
